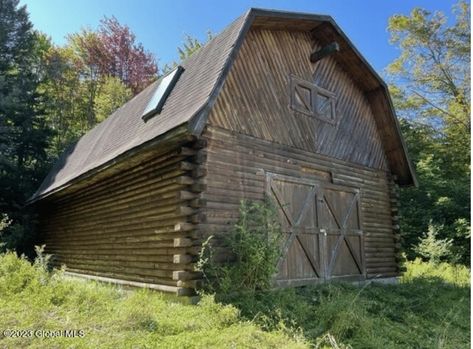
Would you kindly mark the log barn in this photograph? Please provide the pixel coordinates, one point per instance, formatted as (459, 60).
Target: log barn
(278, 105)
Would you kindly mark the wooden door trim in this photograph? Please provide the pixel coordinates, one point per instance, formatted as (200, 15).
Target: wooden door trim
(294, 222)
(343, 236)
(318, 188)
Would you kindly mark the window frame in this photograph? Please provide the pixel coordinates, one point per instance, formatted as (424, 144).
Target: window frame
(295, 81)
(315, 91)
(333, 102)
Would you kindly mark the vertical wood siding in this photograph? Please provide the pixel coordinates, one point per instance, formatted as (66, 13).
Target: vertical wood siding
(255, 100)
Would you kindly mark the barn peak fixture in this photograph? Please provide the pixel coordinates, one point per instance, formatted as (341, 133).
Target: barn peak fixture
(325, 51)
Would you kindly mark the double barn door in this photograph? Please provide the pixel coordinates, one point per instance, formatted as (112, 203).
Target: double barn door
(323, 231)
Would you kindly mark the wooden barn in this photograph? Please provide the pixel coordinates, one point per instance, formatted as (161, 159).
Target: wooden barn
(279, 104)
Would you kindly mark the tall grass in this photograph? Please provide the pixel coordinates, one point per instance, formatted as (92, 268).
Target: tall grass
(32, 298)
(457, 275)
(428, 309)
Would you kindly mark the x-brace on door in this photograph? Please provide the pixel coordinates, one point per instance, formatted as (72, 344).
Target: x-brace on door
(322, 227)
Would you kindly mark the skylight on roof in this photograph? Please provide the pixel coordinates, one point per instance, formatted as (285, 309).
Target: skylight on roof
(165, 87)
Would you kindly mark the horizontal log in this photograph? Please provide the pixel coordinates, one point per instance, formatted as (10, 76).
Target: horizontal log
(185, 292)
(107, 264)
(182, 242)
(227, 139)
(164, 288)
(198, 203)
(122, 276)
(199, 172)
(184, 226)
(183, 259)
(149, 176)
(198, 187)
(186, 275)
(194, 284)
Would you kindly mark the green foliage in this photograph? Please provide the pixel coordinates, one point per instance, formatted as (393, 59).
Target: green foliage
(67, 104)
(442, 198)
(42, 260)
(449, 274)
(112, 95)
(24, 135)
(431, 92)
(433, 69)
(50, 96)
(430, 308)
(20, 236)
(32, 298)
(90, 76)
(4, 222)
(189, 46)
(327, 341)
(432, 248)
(254, 244)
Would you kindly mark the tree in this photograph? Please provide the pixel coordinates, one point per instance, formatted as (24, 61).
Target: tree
(112, 94)
(431, 92)
(86, 47)
(50, 96)
(190, 46)
(24, 134)
(118, 55)
(90, 77)
(68, 104)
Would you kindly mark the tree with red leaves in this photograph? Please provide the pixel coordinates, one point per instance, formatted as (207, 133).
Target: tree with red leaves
(91, 76)
(118, 55)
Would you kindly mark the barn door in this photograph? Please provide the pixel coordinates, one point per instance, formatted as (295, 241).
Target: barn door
(322, 227)
(301, 258)
(340, 221)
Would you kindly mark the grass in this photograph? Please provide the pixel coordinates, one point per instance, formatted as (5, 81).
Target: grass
(113, 318)
(428, 309)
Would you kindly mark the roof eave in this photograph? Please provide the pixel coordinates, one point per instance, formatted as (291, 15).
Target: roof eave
(173, 135)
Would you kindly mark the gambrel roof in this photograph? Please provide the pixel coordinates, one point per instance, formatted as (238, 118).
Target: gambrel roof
(196, 90)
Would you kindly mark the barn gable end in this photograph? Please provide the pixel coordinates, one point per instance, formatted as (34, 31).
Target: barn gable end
(330, 176)
(261, 74)
(250, 117)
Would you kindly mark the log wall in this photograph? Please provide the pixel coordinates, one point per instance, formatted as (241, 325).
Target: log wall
(132, 226)
(236, 165)
(253, 130)
(144, 223)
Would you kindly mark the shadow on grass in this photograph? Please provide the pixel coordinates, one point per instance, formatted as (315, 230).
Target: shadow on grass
(423, 312)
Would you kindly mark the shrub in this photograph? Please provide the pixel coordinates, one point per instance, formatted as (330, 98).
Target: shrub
(4, 222)
(18, 234)
(433, 248)
(254, 244)
(457, 275)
